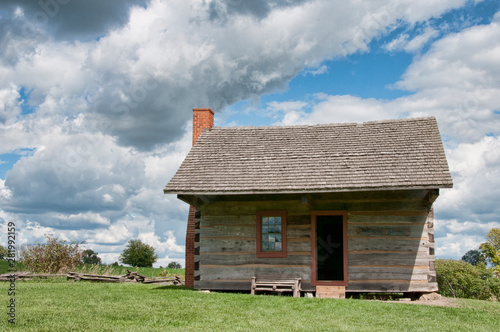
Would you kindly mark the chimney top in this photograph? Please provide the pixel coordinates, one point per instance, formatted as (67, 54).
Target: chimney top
(202, 118)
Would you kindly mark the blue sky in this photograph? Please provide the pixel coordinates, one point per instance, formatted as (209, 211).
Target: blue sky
(96, 100)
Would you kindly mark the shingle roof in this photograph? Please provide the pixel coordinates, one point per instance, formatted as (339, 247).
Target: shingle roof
(393, 154)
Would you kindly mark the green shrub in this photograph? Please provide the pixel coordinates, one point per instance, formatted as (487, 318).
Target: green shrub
(173, 265)
(53, 257)
(464, 280)
(90, 257)
(137, 253)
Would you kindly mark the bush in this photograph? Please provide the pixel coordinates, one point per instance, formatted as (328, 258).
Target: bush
(462, 279)
(55, 256)
(174, 265)
(139, 254)
(90, 257)
(3, 252)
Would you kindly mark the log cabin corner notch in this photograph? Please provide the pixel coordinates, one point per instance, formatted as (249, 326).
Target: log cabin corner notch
(336, 205)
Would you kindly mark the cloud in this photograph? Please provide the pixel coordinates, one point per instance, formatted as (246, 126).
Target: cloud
(161, 246)
(9, 105)
(112, 85)
(89, 218)
(475, 170)
(457, 81)
(69, 19)
(117, 233)
(411, 45)
(140, 79)
(72, 174)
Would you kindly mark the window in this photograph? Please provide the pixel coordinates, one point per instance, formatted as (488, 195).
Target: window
(271, 234)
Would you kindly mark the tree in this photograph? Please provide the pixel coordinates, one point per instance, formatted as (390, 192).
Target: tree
(473, 257)
(3, 252)
(139, 254)
(53, 256)
(173, 265)
(491, 249)
(90, 257)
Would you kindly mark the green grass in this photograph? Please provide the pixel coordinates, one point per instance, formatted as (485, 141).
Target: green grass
(106, 269)
(4, 266)
(121, 270)
(60, 305)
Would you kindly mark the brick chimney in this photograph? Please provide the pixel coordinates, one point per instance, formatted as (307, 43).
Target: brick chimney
(202, 118)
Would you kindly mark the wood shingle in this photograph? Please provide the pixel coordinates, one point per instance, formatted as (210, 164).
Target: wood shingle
(381, 155)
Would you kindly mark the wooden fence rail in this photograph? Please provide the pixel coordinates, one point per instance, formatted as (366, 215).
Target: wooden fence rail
(77, 276)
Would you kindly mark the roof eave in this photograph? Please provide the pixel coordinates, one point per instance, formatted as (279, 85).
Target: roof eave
(303, 191)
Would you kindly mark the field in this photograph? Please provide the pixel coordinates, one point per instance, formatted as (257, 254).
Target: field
(60, 305)
(107, 269)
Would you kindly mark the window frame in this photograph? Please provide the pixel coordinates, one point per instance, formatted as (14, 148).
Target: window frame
(272, 254)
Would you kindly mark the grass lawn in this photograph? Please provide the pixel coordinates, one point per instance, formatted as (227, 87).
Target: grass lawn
(121, 270)
(106, 269)
(60, 305)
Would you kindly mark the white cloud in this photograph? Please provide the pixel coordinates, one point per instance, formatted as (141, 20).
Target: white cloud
(116, 233)
(5, 193)
(475, 169)
(338, 109)
(456, 245)
(413, 45)
(9, 104)
(169, 245)
(111, 105)
(458, 81)
(88, 217)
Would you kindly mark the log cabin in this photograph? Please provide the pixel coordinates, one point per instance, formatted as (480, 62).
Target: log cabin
(344, 207)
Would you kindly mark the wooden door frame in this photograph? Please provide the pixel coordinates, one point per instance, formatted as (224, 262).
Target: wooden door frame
(314, 281)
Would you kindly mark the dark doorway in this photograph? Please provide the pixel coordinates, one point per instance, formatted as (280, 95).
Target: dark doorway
(329, 248)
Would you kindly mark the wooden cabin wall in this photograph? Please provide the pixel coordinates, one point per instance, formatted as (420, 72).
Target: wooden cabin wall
(390, 241)
(227, 245)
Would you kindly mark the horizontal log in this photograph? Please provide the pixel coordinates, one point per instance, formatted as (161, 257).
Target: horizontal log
(229, 220)
(409, 267)
(386, 252)
(215, 259)
(228, 231)
(398, 244)
(388, 269)
(391, 287)
(359, 276)
(295, 207)
(248, 245)
(83, 275)
(303, 220)
(15, 273)
(223, 245)
(231, 238)
(421, 259)
(376, 207)
(217, 272)
(99, 279)
(293, 246)
(386, 231)
(240, 285)
(251, 208)
(29, 275)
(396, 213)
(298, 232)
(354, 218)
(374, 196)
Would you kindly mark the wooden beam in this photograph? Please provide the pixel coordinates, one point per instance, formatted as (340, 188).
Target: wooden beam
(431, 196)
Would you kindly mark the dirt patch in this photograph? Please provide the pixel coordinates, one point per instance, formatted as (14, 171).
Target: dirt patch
(434, 299)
